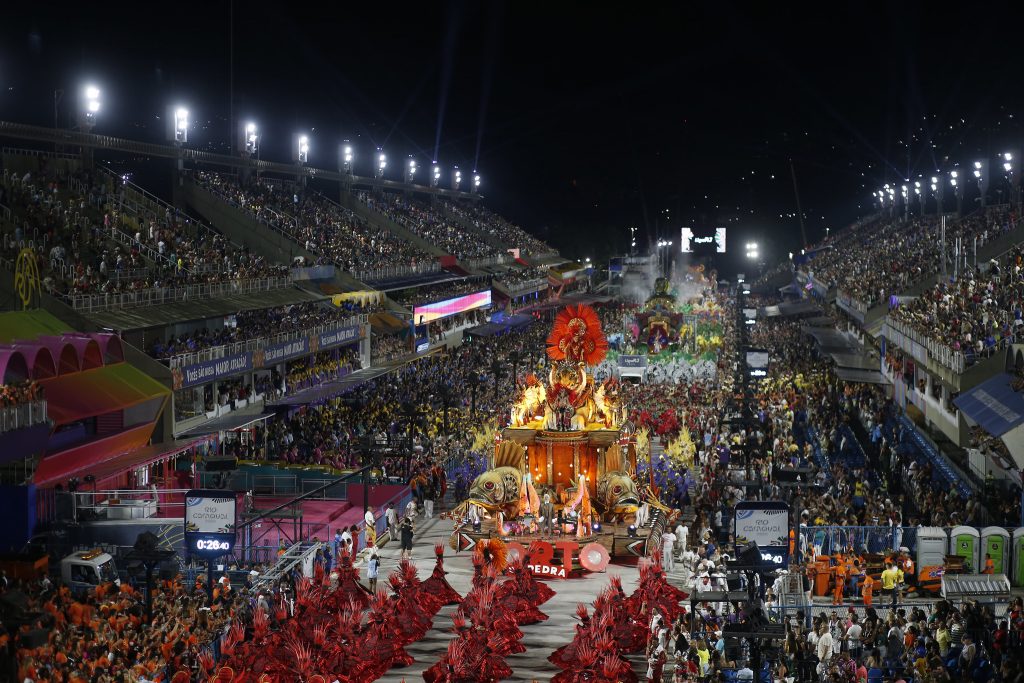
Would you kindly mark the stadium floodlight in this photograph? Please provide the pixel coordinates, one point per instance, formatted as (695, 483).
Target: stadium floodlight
(303, 149)
(456, 178)
(435, 176)
(251, 139)
(90, 107)
(410, 170)
(476, 182)
(347, 157)
(181, 125)
(1007, 156)
(953, 178)
(382, 163)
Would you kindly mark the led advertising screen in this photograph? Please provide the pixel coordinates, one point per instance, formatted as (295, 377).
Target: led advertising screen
(702, 240)
(686, 240)
(442, 309)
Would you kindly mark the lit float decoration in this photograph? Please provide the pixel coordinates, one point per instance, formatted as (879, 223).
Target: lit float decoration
(562, 472)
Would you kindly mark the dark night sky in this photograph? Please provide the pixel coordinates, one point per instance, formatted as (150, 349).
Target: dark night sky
(582, 121)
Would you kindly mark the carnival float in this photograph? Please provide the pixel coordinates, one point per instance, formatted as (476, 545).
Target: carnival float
(563, 469)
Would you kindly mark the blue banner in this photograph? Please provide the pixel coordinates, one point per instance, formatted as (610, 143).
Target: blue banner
(211, 370)
(339, 337)
(632, 361)
(286, 351)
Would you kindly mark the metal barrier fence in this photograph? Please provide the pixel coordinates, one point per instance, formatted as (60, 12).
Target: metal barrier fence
(215, 352)
(90, 303)
(389, 272)
(22, 415)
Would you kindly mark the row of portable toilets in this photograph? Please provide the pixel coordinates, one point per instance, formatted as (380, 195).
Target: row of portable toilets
(1005, 549)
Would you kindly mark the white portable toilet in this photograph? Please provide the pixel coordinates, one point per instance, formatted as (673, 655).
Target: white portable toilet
(1017, 575)
(965, 541)
(932, 544)
(995, 543)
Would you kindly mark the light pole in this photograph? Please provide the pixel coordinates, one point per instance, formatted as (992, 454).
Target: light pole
(1012, 176)
(435, 175)
(301, 151)
(180, 132)
(954, 180)
(906, 203)
(90, 107)
(382, 163)
(347, 157)
(920, 197)
(251, 140)
(937, 192)
(476, 183)
(456, 179)
(410, 170)
(982, 185)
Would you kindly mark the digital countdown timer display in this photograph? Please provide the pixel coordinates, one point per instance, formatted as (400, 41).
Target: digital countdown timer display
(210, 522)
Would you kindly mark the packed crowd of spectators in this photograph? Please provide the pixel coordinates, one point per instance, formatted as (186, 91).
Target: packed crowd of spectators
(20, 392)
(431, 225)
(440, 291)
(513, 277)
(87, 242)
(885, 257)
(323, 367)
(334, 433)
(104, 636)
(975, 313)
(320, 226)
(497, 228)
(263, 322)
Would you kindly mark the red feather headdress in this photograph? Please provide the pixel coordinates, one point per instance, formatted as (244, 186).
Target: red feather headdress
(576, 336)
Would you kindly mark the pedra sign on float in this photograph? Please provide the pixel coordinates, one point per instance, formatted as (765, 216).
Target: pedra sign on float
(592, 557)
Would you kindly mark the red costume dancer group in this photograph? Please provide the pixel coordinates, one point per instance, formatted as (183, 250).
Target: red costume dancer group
(619, 626)
(338, 630)
(488, 619)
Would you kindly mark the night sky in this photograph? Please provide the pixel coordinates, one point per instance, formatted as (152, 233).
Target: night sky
(581, 121)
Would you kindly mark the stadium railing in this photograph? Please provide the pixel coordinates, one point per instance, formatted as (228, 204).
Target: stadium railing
(223, 350)
(389, 272)
(94, 303)
(22, 415)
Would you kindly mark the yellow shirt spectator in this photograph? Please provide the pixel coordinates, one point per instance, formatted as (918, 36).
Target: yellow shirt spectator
(889, 578)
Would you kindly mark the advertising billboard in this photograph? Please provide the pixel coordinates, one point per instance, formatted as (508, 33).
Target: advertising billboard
(720, 240)
(442, 309)
(766, 523)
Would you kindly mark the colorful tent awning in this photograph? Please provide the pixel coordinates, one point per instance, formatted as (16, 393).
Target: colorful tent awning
(99, 391)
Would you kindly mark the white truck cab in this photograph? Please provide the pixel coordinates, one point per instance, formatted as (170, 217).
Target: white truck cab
(87, 569)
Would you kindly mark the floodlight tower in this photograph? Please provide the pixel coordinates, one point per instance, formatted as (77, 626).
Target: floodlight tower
(435, 175)
(346, 157)
(382, 163)
(1011, 167)
(937, 188)
(958, 190)
(89, 108)
(410, 170)
(456, 179)
(981, 174)
(906, 203)
(475, 189)
(250, 140)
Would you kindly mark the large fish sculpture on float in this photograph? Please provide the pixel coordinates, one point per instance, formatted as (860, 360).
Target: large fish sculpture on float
(617, 495)
(499, 489)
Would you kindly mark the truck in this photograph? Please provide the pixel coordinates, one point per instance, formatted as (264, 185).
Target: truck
(86, 569)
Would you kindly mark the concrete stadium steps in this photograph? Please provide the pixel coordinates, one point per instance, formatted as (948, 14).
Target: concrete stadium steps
(350, 202)
(240, 227)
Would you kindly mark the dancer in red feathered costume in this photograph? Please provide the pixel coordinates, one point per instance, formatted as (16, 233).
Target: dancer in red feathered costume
(348, 580)
(437, 585)
(485, 624)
